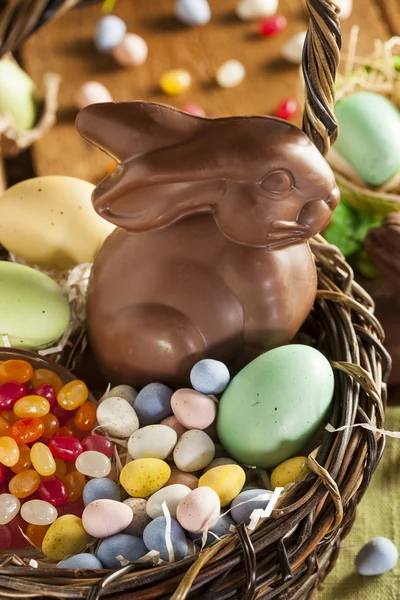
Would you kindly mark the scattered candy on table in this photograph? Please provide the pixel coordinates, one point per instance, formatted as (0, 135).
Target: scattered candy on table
(378, 556)
(292, 51)
(346, 7)
(287, 109)
(132, 51)
(194, 109)
(175, 81)
(273, 25)
(110, 32)
(249, 10)
(91, 92)
(192, 12)
(230, 74)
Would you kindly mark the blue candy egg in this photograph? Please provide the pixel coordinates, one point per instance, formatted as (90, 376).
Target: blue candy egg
(99, 489)
(130, 547)
(192, 12)
(81, 561)
(209, 376)
(153, 404)
(221, 528)
(110, 31)
(241, 514)
(376, 557)
(154, 538)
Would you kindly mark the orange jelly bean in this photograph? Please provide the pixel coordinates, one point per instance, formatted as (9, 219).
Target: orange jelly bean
(31, 406)
(27, 430)
(66, 431)
(85, 418)
(51, 425)
(42, 376)
(42, 460)
(74, 483)
(4, 427)
(24, 461)
(61, 468)
(73, 395)
(36, 534)
(9, 451)
(24, 484)
(15, 370)
(9, 416)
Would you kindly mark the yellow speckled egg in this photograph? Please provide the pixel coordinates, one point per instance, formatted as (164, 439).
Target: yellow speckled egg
(50, 222)
(293, 469)
(226, 480)
(64, 537)
(144, 476)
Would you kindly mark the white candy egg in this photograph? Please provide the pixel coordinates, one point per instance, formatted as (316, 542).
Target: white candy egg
(171, 495)
(153, 441)
(194, 451)
(117, 417)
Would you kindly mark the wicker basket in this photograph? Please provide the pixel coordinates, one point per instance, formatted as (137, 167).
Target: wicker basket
(289, 554)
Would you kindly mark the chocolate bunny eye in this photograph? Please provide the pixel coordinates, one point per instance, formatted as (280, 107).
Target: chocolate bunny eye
(277, 182)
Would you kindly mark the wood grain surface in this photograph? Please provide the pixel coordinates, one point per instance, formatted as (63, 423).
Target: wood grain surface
(66, 47)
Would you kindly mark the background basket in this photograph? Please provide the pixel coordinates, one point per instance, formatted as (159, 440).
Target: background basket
(289, 554)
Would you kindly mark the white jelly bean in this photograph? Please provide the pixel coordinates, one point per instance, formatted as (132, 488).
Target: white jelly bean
(293, 49)
(194, 451)
(247, 10)
(230, 74)
(93, 464)
(153, 441)
(9, 508)
(131, 52)
(91, 92)
(39, 512)
(117, 417)
(171, 495)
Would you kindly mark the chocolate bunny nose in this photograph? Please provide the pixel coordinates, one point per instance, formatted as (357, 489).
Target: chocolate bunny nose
(333, 199)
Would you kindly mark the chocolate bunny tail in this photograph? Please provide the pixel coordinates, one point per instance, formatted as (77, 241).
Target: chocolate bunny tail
(320, 61)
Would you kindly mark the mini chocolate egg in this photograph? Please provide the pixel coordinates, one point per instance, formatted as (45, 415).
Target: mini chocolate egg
(290, 471)
(154, 538)
(210, 376)
(153, 403)
(131, 51)
(64, 537)
(171, 495)
(378, 556)
(140, 517)
(199, 510)
(33, 309)
(103, 518)
(144, 476)
(178, 476)
(59, 228)
(218, 462)
(110, 32)
(275, 405)
(153, 441)
(194, 451)
(100, 489)
(192, 12)
(117, 417)
(244, 504)
(81, 561)
(128, 546)
(127, 392)
(221, 528)
(193, 409)
(226, 480)
(174, 424)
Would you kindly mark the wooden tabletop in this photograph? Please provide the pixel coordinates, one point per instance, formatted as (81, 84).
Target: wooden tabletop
(66, 47)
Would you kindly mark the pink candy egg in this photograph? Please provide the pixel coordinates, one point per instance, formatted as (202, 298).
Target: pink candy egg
(103, 518)
(193, 410)
(173, 422)
(92, 92)
(199, 510)
(131, 52)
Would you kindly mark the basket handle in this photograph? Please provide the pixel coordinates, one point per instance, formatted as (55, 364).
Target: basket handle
(320, 61)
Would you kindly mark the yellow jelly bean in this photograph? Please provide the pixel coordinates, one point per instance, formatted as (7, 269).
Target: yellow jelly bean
(73, 395)
(31, 406)
(42, 460)
(226, 480)
(144, 476)
(9, 451)
(290, 471)
(64, 537)
(175, 81)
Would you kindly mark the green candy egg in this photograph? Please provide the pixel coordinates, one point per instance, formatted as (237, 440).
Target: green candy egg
(33, 309)
(17, 94)
(275, 405)
(369, 136)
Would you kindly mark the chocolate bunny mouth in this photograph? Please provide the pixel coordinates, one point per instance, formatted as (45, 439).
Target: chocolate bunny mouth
(286, 233)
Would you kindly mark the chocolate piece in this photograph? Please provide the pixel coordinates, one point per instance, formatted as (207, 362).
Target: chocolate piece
(211, 255)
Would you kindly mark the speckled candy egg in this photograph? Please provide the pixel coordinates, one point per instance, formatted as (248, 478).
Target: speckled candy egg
(127, 392)
(144, 476)
(153, 403)
(101, 489)
(103, 518)
(275, 404)
(226, 480)
(378, 556)
(128, 546)
(183, 478)
(210, 376)
(81, 561)
(33, 309)
(194, 451)
(290, 471)
(221, 528)
(59, 229)
(117, 417)
(140, 517)
(154, 538)
(244, 504)
(153, 441)
(171, 495)
(64, 537)
(199, 510)
(193, 409)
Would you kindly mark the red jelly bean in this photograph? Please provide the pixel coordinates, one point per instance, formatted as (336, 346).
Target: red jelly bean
(6, 537)
(72, 508)
(2, 473)
(287, 109)
(273, 25)
(46, 391)
(16, 525)
(65, 447)
(27, 430)
(99, 444)
(62, 415)
(10, 392)
(53, 490)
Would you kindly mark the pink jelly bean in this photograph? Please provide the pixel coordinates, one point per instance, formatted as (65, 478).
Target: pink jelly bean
(47, 391)
(53, 490)
(10, 392)
(15, 526)
(98, 443)
(62, 415)
(6, 537)
(71, 508)
(65, 447)
(2, 473)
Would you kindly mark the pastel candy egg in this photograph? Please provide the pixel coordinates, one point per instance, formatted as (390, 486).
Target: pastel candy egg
(171, 495)
(194, 451)
(175, 81)
(292, 51)
(91, 92)
(290, 471)
(275, 405)
(64, 537)
(226, 481)
(153, 441)
(18, 95)
(81, 561)
(221, 528)
(131, 51)
(249, 10)
(128, 546)
(100, 489)
(199, 510)
(230, 74)
(154, 538)
(110, 32)
(377, 556)
(93, 464)
(103, 518)
(117, 417)
(127, 392)
(174, 424)
(144, 476)
(244, 504)
(33, 309)
(193, 409)
(183, 478)
(153, 403)
(38, 512)
(140, 517)
(209, 376)
(218, 462)
(9, 508)
(192, 12)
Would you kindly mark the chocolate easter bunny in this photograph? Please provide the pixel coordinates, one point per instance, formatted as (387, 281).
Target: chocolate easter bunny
(210, 257)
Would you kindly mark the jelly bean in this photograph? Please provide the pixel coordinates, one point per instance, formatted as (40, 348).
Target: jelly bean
(42, 460)
(51, 425)
(24, 461)
(31, 406)
(9, 508)
(144, 476)
(9, 416)
(209, 376)
(6, 537)
(91, 92)
(273, 25)
(46, 391)
(9, 451)
(38, 512)
(73, 395)
(110, 31)
(36, 534)
(287, 109)
(11, 392)
(2, 474)
(78, 433)
(4, 427)
(64, 537)
(194, 109)
(83, 560)
(45, 376)
(292, 51)
(65, 447)
(192, 12)
(62, 415)
(65, 432)
(53, 490)
(85, 418)
(27, 430)
(175, 81)
(230, 74)
(131, 51)
(74, 484)
(61, 468)
(15, 370)
(72, 508)
(93, 464)
(18, 527)
(99, 444)
(24, 484)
